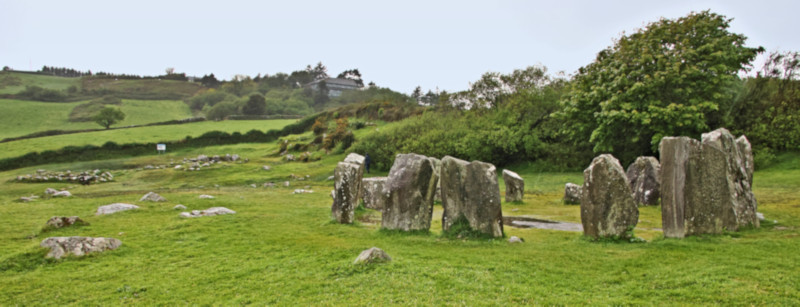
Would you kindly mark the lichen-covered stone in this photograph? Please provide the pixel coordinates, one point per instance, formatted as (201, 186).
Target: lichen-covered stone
(57, 222)
(515, 186)
(208, 212)
(706, 185)
(372, 255)
(470, 190)
(607, 206)
(114, 208)
(572, 193)
(152, 196)
(644, 177)
(372, 194)
(78, 246)
(347, 184)
(410, 186)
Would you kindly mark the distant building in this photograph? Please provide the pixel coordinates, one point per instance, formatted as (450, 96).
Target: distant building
(335, 86)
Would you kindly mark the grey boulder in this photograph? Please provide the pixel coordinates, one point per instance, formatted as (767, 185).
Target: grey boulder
(372, 255)
(114, 208)
(515, 186)
(644, 177)
(152, 196)
(470, 192)
(607, 206)
(78, 246)
(372, 192)
(410, 187)
(572, 193)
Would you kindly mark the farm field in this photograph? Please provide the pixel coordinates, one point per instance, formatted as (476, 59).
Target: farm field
(136, 135)
(44, 81)
(281, 248)
(19, 117)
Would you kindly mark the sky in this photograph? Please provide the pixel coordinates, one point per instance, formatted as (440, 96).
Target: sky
(438, 45)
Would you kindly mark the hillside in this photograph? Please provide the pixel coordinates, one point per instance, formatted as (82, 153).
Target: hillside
(14, 82)
(19, 117)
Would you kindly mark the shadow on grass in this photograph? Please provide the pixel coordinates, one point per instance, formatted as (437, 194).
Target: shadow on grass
(25, 262)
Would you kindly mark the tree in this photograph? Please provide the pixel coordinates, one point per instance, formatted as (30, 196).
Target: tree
(352, 74)
(669, 78)
(209, 81)
(417, 94)
(319, 72)
(256, 105)
(170, 70)
(109, 116)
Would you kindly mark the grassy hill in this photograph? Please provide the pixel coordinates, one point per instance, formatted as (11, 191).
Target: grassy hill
(281, 248)
(135, 135)
(14, 82)
(141, 89)
(18, 117)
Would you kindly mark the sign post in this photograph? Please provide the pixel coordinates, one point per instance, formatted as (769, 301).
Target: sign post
(161, 148)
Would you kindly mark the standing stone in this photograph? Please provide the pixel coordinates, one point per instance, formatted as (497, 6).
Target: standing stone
(607, 206)
(78, 246)
(644, 177)
(470, 191)
(706, 185)
(346, 186)
(437, 168)
(152, 196)
(372, 194)
(515, 186)
(410, 187)
(747, 157)
(572, 193)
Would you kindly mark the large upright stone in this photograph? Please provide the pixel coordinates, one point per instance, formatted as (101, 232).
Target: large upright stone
(470, 191)
(347, 182)
(372, 194)
(644, 177)
(706, 186)
(607, 206)
(410, 186)
(515, 186)
(572, 193)
(437, 168)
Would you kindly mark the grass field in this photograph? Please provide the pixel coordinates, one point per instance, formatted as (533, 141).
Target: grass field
(49, 82)
(282, 249)
(19, 117)
(136, 135)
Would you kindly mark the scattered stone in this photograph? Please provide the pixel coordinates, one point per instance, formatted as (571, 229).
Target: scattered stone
(515, 186)
(470, 191)
(331, 178)
(50, 191)
(372, 255)
(205, 196)
(234, 158)
(410, 187)
(178, 166)
(208, 212)
(266, 168)
(706, 185)
(572, 193)
(515, 239)
(607, 206)
(760, 216)
(290, 157)
(644, 177)
(269, 185)
(347, 186)
(372, 192)
(152, 196)
(62, 194)
(28, 198)
(179, 207)
(78, 246)
(302, 191)
(253, 185)
(114, 208)
(202, 158)
(57, 222)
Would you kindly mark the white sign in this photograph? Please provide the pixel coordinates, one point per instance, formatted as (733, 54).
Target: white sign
(161, 147)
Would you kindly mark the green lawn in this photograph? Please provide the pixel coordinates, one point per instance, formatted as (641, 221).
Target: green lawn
(282, 249)
(19, 117)
(49, 82)
(136, 135)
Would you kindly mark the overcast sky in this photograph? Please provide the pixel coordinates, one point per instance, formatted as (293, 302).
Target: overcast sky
(402, 44)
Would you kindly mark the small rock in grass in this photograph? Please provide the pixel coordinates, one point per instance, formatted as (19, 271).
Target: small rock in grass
(65, 221)
(515, 239)
(152, 197)
(114, 208)
(760, 216)
(62, 194)
(204, 196)
(50, 191)
(266, 167)
(179, 207)
(372, 255)
(78, 246)
(208, 212)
